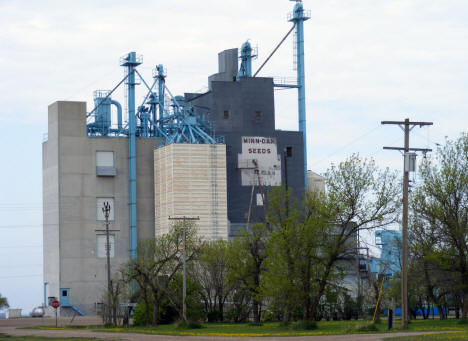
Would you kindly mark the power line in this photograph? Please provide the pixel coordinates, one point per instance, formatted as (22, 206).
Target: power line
(19, 266)
(19, 246)
(21, 276)
(22, 226)
(347, 145)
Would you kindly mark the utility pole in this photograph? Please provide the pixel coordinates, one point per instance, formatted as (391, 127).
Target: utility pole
(358, 274)
(184, 280)
(406, 126)
(106, 211)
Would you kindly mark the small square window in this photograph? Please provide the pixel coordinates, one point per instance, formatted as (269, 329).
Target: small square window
(226, 114)
(100, 215)
(101, 245)
(258, 116)
(104, 159)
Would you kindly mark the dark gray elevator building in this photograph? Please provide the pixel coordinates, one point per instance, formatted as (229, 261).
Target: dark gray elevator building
(243, 112)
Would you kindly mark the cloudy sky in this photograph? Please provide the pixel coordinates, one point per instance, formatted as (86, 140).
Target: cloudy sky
(366, 61)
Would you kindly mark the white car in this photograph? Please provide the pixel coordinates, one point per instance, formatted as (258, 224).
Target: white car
(38, 312)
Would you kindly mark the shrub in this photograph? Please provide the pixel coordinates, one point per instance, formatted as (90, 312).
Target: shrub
(284, 324)
(214, 316)
(139, 315)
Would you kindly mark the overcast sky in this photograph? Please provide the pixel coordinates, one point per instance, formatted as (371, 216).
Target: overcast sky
(366, 61)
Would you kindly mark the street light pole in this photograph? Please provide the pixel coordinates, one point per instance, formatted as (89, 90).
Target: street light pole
(106, 210)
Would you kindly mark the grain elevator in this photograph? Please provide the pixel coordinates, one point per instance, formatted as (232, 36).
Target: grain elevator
(214, 155)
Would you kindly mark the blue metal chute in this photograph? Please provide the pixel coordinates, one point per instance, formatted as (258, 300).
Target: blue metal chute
(191, 133)
(131, 61)
(245, 69)
(204, 136)
(298, 16)
(159, 73)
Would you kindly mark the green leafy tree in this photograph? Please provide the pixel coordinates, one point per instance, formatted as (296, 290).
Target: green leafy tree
(442, 201)
(311, 245)
(425, 266)
(247, 264)
(359, 196)
(3, 302)
(293, 252)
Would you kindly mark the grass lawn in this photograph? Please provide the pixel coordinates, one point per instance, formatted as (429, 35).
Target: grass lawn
(278, 329)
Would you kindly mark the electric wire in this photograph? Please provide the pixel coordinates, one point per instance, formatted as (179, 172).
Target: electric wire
(19, 265)
(347, 145)
(88, 85)
(21, 276)
(19, 246)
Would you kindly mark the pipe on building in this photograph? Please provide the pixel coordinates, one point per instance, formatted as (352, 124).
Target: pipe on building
(119, 113)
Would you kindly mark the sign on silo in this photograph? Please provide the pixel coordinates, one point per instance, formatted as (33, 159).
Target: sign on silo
(261, 151)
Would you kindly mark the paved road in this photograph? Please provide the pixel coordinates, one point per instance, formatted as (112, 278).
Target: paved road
(10, 327)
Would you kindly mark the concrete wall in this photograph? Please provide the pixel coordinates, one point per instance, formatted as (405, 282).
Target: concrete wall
(227, 67)
(50, 199)
(190, 180)
(71, 188)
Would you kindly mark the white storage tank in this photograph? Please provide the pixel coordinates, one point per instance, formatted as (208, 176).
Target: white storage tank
(13, 313)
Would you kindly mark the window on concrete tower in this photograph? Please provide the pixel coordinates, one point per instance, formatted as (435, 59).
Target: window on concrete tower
(226, 114)
(101, 246)
(100, 214)
(105, 163)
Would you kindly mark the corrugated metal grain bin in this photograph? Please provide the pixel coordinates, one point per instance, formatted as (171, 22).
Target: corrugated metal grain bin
(190, 180)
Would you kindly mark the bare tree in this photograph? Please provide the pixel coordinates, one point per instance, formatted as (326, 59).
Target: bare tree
(159, 260)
